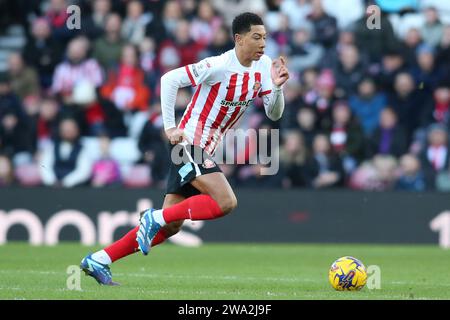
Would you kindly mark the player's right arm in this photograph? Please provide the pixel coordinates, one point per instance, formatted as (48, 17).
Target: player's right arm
(193, 75)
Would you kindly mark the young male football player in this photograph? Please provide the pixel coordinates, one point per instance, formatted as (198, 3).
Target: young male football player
(197, 189)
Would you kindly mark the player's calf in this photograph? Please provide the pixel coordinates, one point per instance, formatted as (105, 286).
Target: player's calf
(173, 228)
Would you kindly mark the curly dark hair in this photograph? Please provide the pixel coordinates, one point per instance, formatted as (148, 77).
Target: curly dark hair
(243, 22)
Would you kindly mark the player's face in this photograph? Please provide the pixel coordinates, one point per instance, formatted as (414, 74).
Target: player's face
(254, 42)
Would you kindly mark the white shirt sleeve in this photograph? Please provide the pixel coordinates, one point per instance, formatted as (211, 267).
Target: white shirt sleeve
(170, 83)
(274, 103)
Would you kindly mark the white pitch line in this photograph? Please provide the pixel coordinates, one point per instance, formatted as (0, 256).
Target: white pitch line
(146, 275)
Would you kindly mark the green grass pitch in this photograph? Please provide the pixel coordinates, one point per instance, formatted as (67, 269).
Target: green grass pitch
(226, 271)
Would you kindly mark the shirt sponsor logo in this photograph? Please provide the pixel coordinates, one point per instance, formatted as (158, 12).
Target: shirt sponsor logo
(226, 103)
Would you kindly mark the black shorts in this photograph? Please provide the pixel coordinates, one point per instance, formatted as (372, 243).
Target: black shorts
(186, 163)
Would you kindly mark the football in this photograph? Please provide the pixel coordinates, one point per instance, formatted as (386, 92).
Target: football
(347, 274)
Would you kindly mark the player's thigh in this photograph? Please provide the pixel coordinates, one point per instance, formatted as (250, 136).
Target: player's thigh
(175, 226)
(216, 185)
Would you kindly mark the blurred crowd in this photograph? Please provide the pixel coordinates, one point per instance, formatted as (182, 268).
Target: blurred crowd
(366, 108)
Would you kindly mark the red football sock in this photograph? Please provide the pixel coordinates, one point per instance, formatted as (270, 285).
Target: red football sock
(200, 207)
(128, 244)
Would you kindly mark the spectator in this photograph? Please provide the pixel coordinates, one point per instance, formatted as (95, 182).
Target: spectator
(205, 24)
(187, 50)
(389, 137)
(441, 111)
(346, 136)
(163, 26)
(306, 122)
(24, 79)
(443, 180)
(349, 70)
(231, 8)
(443, 52)
(147, 52)
(410, 174)
(392, 64)
(433, 28)
(346, 12)
(325, 26)
(107, 49)
(280, 38)
(148, 64)
(293, 155)
(66, 163)
(376, 174)
(15, 137)
(374, 42)
(367, 105)
(42, 51)
(78, 68)
(153, 146)
(95, 23)
(8, 100)
(86, 109)
(324, 168)
(135, 23)
(308, 79)
(105, 171)
(322, 98)
(47, 122)
(57, 15)
(101, 11)
(292, 101)
(189, 9)
(436, 156)
(408, 102)
(257, 176)
(31, 107)
(304, 53)
(331, 58)
(409, 46)
(297, 11)
(6, 171)
(425, 73)
(125, 85)
(220, 43)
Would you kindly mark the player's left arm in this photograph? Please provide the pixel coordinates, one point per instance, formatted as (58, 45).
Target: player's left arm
(274, 102)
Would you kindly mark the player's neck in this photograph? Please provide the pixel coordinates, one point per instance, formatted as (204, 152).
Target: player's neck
(243, 60)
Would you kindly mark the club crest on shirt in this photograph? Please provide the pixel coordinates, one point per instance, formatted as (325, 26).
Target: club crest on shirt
(257, 86)
(208, 164)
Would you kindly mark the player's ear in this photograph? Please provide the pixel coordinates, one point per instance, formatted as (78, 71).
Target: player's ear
(238, 38)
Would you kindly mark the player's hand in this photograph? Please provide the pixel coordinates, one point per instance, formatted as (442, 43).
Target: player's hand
(279, 71)
(175, 135)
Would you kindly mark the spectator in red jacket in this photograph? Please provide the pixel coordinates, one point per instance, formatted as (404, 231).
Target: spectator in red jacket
(125, 86)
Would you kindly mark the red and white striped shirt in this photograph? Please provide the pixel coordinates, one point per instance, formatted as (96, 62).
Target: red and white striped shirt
(67, 75)
(224, 91)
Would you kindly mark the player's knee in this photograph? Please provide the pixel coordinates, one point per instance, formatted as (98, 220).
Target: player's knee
(228, 204)
(173, 228)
